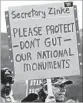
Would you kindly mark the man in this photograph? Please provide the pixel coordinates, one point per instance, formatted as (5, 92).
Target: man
(6, 83)
(59, 85)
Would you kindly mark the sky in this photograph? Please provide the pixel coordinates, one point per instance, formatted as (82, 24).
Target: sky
(6, 4)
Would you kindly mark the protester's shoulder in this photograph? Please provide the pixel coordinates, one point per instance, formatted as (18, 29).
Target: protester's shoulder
(30, 98)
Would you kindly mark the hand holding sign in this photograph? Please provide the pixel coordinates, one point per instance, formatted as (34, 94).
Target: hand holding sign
(50, 97)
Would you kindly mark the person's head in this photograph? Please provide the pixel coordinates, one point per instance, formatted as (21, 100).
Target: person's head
(6, 81)
(58, 86)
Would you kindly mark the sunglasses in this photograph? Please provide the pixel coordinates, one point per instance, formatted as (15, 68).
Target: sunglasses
(55, 85)
(59, 85)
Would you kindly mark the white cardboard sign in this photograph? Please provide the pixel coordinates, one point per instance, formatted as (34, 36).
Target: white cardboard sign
(44, 47)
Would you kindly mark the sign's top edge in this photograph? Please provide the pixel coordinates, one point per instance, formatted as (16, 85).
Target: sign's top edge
(63, 4)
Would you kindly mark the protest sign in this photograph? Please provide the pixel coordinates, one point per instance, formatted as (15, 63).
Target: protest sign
(44, 47)
(34, 86)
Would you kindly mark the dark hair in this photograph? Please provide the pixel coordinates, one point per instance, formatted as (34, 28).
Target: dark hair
(30, 98)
